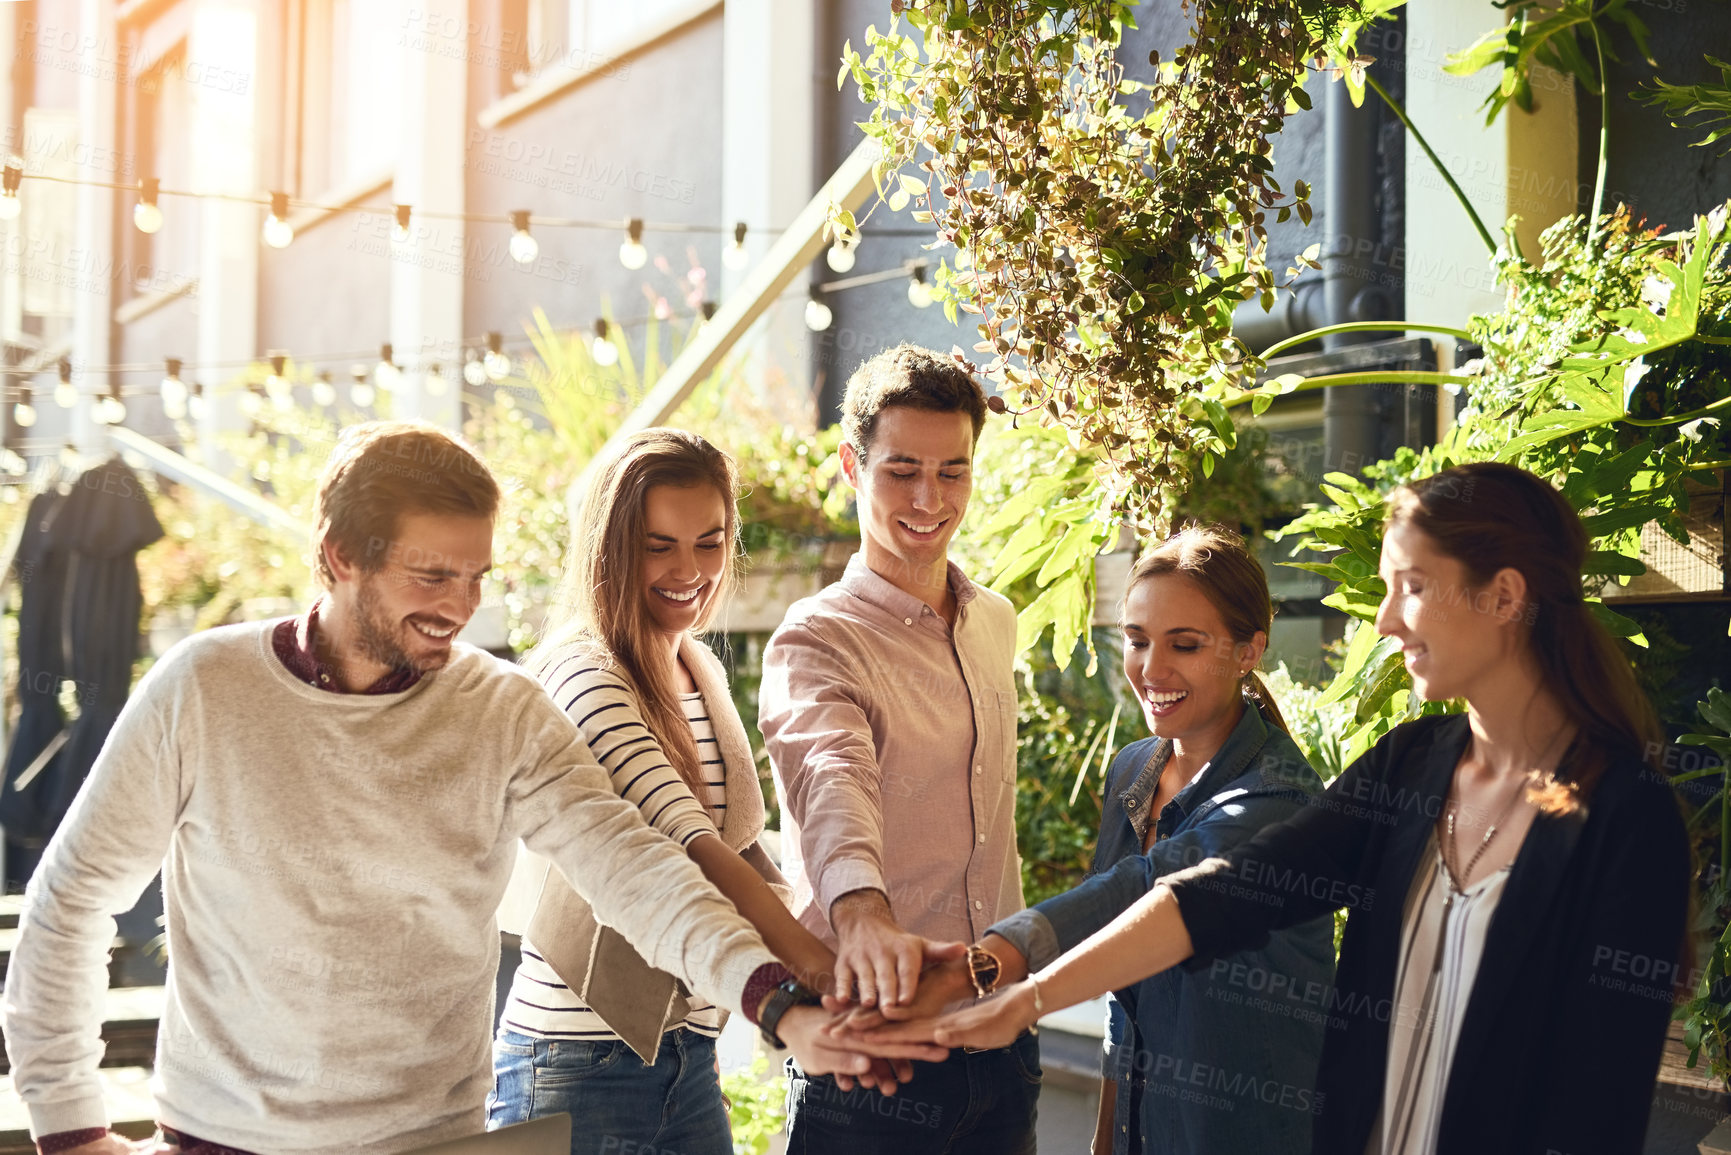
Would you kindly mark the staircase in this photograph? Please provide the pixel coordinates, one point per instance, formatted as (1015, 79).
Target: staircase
(129, 1019)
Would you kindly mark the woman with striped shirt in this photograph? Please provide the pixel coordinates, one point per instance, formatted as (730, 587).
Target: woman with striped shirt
(590, 1028)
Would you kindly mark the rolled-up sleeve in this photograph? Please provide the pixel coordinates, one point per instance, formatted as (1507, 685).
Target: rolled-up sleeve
(825, 762)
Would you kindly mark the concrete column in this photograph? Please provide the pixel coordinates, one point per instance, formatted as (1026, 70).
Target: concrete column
(427, 280)
(768, 138)
(93, 302)
(224, 139)
(1523, 164)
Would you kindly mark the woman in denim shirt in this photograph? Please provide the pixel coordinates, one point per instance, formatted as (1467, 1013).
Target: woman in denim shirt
(1222, 1060)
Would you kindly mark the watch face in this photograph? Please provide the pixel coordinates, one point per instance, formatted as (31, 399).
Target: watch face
(984, 967)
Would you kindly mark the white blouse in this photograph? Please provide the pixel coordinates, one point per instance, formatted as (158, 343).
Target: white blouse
(1442, 944)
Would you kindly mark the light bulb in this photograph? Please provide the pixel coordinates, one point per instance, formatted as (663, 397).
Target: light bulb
(734, 255)
(277, 386)
(324, 393)
(524, 248)
(400, 232)
(278, 233)
(919, 293)
(173, 395)
(385, 376)
(146, 217)
(604, 352)
(361, 393)
(10, 206)
(632, 254)
(65, 395)
(174, 410)
(111, 410)
(24, 415)
(495, 366)
(251, 403)
(475, 373)
(435, 383)
(817, 315)
(840, 257)
(282, 402)
(195, 406)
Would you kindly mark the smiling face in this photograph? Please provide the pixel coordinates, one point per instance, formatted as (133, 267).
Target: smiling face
(684, 553)
(1183, 663)
(406, 614)
(1452, 633)
(913, 485)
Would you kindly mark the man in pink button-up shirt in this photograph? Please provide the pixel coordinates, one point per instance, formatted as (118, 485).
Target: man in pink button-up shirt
(889, 708)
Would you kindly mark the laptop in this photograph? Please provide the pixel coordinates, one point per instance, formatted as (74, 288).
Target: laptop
(548, 1136)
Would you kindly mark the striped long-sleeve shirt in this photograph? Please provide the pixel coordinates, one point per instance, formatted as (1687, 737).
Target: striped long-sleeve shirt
(605, 709)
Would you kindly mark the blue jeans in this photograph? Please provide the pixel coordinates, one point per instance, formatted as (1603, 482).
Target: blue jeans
(970, 1104)
(618, 1106)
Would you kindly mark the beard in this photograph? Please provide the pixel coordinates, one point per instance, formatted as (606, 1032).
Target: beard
(384, 640)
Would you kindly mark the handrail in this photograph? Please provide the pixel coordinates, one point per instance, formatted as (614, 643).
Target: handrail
(179, 467)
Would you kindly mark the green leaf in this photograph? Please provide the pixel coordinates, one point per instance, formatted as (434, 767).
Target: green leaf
(1619, 625)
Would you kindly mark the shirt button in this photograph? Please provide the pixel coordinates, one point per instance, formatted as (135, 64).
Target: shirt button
(907, 621)
(982, 838)
(978, 904)
(976, 769)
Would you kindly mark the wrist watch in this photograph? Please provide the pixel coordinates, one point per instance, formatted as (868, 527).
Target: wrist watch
(791, 993)
(984, 968)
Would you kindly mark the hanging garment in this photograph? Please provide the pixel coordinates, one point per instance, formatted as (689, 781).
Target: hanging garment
(78, 621)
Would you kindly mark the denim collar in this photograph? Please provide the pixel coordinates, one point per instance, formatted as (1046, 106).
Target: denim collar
(1241, 746)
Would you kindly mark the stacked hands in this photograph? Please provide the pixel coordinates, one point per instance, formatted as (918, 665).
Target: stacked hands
(894, 999)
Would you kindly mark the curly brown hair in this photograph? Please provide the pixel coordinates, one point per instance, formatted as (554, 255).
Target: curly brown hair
(912, 377)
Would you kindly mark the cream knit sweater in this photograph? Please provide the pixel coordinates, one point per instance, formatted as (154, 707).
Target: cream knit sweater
(331, 865)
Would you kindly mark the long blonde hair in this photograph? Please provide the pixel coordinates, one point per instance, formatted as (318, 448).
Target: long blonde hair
(1230, 577)
(601, 597)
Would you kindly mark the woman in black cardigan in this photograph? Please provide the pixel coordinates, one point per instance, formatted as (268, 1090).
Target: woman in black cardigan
(1536, 1028)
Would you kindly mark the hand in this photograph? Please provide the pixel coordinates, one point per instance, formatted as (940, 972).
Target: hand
(874, 954)
(802, 1028)
(941, 983)
(987, 1025)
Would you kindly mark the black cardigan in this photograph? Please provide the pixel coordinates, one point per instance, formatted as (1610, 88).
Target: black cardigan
(1563, 1029)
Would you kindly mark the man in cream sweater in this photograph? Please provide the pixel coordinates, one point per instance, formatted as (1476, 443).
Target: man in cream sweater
(334, 802)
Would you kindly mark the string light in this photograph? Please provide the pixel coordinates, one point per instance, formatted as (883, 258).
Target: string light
(708, 310)
(400, 234)
(919, 293)
(324, 393)
(195, 403)
(146, 216)
(65, 393)
(251, 404)
(818, 315)
(10, 205)
(474, 372)
(495, 364)
(361, 392)
(632, 254)
(840, 257)
(24, 413)
(524, 248)
(278, 233)
(385, 375)
(435, 382)
(111, 410)
(277, 386)
(734, 256)
(602, 348)
(173, 390)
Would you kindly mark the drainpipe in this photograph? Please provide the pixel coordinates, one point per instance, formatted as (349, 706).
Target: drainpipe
(1351, 415)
